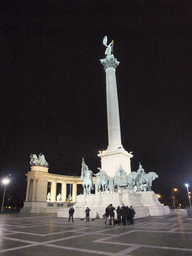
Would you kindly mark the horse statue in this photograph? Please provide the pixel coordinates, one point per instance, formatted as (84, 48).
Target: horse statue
(149, 178)
(38, 160)
(42, 160)
(132, 179)
(111, 186)
(140, 179)
(120, 179)
(34, 160)
(101, 180)
(86, 178)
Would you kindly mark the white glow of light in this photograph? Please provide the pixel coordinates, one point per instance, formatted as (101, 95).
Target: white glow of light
(5, 181)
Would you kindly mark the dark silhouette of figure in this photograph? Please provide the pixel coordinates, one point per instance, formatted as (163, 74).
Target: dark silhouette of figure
(87, 213)
(118, 210)
(111, 210)
(123, 214)
(128, 215)
(107, 215)
(71, 212)
(132, 214)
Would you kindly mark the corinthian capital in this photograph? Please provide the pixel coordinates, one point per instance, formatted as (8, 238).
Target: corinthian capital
(110, 62)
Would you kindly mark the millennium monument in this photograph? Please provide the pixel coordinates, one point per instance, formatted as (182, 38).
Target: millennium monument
(114, 182)
(115, 155)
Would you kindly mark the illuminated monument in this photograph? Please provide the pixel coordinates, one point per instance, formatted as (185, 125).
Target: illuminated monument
(114, 183)
(115, 155)
(118, 184)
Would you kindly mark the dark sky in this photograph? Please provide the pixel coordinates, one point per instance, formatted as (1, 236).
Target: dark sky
(53, 85)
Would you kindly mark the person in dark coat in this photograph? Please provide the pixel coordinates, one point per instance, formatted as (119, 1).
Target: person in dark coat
(87, 213)
(111, 210)
(107, 215)
(132, 214)
(128, 215)
(71, 212)
(118, 210)
(123, 214)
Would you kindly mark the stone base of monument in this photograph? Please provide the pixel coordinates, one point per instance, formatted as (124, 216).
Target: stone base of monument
(144, 203)
(40, 207)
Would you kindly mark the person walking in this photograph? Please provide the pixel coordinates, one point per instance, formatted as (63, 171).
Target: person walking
(71, 212)
(87, 213)
(132, 214)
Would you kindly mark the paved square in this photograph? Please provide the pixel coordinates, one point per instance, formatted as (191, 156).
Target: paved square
(45, 234)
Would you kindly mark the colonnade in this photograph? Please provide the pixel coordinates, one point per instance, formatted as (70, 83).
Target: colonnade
(40, 183)
(34, 187)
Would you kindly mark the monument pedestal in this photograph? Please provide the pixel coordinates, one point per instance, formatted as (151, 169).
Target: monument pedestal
(111, 160)
(150, 199)
(144, 204)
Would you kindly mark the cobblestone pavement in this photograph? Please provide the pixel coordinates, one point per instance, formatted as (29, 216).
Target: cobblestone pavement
(45, 234)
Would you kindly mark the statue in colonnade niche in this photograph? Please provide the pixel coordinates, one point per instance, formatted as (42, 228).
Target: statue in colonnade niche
(86, 178)
(38, 160)
(49, 197)
(59, 197)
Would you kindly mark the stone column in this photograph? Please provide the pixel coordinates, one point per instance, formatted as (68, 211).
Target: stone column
(27, 190)
(115, 156)
(30, 190)
(63, 192)
(41, 190)
(53, 191)
(95, 188)
(74, 193)
(34, 190)
(113, 121)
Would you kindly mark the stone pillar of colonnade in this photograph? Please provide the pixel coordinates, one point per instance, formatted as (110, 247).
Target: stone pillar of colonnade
(27, 190)
(34, 190)
(41, 190)
(63, 191)
(53, 191)
(74, 192)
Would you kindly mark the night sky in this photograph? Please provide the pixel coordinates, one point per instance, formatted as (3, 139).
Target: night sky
(53, 86)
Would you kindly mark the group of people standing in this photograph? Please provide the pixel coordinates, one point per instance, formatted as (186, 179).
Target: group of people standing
(125, 215)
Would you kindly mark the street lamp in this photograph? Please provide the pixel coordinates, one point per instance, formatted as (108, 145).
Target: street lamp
(187, 187)
(174, 190)
(5, 182)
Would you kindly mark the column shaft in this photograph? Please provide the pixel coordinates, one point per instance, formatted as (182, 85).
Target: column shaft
(27, 190)
(53, 191)
(74, 193)
(114, 132)
(34, 190)
(63, 192)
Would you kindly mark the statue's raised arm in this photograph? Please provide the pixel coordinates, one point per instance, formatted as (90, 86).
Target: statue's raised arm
(109, 48)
